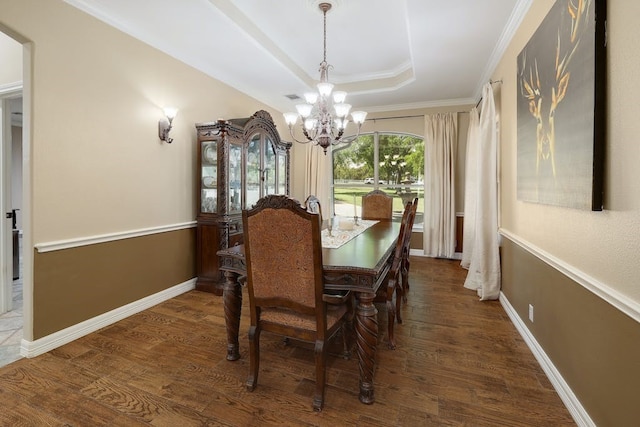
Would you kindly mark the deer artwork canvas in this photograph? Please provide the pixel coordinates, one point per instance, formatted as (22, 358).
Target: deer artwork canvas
(560, 105)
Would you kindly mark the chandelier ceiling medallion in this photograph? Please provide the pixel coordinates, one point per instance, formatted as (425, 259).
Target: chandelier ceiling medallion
(324, 118)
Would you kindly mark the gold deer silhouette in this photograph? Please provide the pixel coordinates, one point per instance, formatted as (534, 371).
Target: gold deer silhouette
(543, 101)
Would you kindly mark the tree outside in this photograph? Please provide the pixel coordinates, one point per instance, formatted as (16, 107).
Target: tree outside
(400, 171)
(401, 159)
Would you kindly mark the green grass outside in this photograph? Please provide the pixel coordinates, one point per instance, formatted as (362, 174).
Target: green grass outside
(345, 195)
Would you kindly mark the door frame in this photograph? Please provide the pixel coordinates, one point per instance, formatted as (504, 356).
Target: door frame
(27, 191)
(7, 93)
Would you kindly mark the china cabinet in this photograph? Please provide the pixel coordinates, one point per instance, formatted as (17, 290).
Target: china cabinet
(239, 161)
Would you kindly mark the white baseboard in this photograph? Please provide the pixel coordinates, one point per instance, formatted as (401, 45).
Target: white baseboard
(420, 252)
(65, 336)
(579, 414)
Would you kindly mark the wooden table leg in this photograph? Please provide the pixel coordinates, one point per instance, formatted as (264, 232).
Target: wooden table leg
(366, 341)
(232, 297)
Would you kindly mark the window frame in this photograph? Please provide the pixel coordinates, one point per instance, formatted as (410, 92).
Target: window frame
(417, 186)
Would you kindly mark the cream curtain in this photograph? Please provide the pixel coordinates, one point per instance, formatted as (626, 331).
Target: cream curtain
(484, 260)
(470, 187)
(440, 144)
(317, 176)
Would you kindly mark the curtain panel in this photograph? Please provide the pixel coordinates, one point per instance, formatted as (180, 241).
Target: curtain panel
(482, 162)
(470, 187)
(440, 142)
(317, 179)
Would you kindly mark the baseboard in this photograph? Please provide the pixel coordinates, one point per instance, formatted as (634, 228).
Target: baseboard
(579, 414)
(417, 252)
(420, 252)
(65, 336)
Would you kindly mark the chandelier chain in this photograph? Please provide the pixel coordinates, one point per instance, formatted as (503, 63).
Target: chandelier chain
(324, 12)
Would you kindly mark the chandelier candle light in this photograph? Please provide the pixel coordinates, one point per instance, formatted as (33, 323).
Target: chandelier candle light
(321, 125)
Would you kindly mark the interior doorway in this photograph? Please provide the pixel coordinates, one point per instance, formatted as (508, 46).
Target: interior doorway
(11, 200)
(11, 315)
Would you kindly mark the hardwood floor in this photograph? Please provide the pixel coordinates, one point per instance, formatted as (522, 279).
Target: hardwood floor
(459, 362)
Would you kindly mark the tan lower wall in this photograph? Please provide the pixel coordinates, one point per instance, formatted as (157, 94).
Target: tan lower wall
(594, 346)
(417, 241)
(417, 238)
(77, 284)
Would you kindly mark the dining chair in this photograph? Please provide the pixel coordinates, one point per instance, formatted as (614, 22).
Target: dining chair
(393, 281)
(377, 205)
(312, 204)
(283, 253)
(406, 249)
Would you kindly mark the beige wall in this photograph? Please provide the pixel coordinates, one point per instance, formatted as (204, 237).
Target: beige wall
(11, 54)
(97, 166)
(602, 245)
(579, 268)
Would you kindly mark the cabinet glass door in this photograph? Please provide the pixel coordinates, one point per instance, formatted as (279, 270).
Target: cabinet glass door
(282, 173)
(270, 170)
(235, 178)
(253, 171)
(209, 177)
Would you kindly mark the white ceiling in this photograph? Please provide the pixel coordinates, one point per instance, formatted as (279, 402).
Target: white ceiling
(388, 54)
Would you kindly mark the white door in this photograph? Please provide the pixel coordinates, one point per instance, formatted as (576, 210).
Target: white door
(6, 249)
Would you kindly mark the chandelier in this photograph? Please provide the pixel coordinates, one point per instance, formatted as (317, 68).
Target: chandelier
(324, 117)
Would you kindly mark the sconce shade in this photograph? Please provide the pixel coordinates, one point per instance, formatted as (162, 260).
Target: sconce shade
(359, 117)
(170, 112)
(165, 124)
(290, 118)
(338, 96)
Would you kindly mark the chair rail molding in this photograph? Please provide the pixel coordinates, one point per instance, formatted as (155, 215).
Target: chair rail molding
(623, 303)
(103, 238)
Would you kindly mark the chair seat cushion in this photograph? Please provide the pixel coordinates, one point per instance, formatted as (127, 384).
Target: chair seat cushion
(301, 321)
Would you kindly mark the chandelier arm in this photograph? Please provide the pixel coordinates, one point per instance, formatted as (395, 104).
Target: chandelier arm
(297, 140)
(339, 139)
(306, 134)
(325, 128)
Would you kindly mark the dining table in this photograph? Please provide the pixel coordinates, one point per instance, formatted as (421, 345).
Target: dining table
(360, 265)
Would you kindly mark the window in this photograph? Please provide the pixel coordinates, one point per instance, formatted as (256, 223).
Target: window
(391, 162)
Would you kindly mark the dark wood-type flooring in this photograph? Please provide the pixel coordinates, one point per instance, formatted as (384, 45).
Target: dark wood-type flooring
(459, 362)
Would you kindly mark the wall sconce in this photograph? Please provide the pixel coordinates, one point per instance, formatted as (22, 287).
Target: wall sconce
(164, 125)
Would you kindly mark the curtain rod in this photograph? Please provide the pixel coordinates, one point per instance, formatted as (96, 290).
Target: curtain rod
(490, 82)
(409, 117)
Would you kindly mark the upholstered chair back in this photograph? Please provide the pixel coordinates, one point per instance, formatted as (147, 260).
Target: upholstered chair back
(377, 205)
(284, 251)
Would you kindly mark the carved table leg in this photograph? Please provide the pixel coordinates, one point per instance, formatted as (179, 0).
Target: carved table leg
(232, 297)
(366, 340)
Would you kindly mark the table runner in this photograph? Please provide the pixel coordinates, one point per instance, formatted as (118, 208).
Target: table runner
(339, 236)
